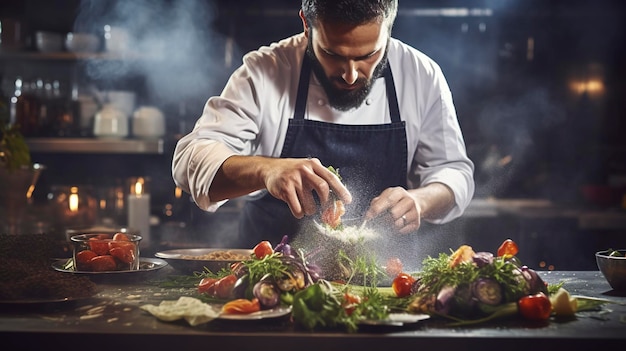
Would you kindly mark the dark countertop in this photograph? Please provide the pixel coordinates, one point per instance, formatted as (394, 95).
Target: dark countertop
(112, 319)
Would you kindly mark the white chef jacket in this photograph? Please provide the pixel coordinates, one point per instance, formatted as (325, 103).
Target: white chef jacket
(251, 115)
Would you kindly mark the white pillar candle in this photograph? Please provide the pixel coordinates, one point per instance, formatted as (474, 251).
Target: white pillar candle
(139, 212)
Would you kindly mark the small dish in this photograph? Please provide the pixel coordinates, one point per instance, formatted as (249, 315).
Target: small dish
(147, 267)
(612, 264)
(189, 260)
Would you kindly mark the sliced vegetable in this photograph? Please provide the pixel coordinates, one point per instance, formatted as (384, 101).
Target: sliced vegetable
(487, 291)
(241, 306)
(224, 286)
(267, 293)
(207, 286)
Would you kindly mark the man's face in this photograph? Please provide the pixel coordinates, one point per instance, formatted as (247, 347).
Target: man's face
(347, 59)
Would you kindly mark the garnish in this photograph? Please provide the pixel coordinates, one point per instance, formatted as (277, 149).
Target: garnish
(331, 215)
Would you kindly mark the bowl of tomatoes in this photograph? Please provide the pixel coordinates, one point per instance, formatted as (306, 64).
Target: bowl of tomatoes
(106, 250)
(612, 264)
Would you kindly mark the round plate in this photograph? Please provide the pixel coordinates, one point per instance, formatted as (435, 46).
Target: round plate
(272, 313)
(177, 259)
(397, 319)
(145, 265)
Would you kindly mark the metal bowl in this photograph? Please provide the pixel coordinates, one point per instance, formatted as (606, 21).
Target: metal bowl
(187, 260)
(612, 264)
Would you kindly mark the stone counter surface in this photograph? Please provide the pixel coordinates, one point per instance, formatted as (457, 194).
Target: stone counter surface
(112, 319)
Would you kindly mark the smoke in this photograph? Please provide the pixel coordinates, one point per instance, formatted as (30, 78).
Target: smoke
(171, 47)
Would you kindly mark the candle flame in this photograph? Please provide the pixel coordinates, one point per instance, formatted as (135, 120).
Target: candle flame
(73, 199)
(139, 188)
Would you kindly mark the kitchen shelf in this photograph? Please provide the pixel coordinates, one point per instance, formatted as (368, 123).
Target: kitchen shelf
(71, 56)
(95, 145)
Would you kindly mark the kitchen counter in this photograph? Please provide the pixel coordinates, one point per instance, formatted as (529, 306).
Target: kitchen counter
(112, 319)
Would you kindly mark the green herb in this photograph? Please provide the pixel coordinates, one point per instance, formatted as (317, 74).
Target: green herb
(364, 265)
(14, 152)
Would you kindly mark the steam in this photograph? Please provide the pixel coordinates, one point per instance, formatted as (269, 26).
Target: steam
(180, 56)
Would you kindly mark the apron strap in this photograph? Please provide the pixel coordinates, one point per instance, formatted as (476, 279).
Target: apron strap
(303, 91)
(392, 98)
(303, 88)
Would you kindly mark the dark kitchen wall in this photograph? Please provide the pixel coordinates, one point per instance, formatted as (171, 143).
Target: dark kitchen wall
(538, 85)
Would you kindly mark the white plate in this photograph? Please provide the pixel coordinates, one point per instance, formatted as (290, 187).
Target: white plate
(398, 319)
(177, 259)
(264, 314)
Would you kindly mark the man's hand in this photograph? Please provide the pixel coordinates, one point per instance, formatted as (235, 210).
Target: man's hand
(292, 180)
(406, 208)
(295, 180)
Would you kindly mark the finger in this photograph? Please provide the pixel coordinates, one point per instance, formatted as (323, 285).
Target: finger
(307, 202)
(292, 200)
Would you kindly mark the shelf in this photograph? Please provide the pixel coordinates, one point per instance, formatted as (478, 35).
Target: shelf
(71, 56)
(95, 145)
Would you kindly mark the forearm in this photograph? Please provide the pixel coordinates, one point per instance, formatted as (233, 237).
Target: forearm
(435, 200)
(238, 176)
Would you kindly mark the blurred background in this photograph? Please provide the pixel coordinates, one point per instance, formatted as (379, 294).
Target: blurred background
(539, 88)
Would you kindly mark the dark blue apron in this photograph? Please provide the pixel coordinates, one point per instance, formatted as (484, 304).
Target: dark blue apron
(370, 158)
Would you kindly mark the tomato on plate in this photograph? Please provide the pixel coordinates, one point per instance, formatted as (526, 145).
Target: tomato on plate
(123, 254)
(207, 285)
(83, 258)
(103, 263)
(263, 249)
(508, 247)
(241, 306)
(224, 286)
(403, 284)
(535, 307)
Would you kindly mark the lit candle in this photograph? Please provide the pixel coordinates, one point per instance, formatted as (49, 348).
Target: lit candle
(139, 211)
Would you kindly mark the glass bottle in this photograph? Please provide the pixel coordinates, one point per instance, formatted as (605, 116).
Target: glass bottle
(25, 108)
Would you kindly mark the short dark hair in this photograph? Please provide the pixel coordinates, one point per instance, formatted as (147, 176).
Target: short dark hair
(353, 12)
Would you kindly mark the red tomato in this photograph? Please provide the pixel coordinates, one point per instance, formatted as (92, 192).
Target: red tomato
(224, 286)
(123, 254)
(82, 260)
(207, 285)
(121, 237)
(263, 249)
(100, 247)
(350, 301)
(402, 284)
(508, 247)
(242, 306)
(394, 267)
(535, 307)
(103, 263)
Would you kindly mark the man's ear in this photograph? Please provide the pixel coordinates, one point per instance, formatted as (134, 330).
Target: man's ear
(305, 25)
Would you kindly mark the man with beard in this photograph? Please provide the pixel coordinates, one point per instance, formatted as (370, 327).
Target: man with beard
(374, 108)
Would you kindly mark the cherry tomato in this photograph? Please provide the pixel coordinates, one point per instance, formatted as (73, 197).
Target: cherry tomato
(402, 284)
(242, 306)
(120, 237)
(123, 254)
(100, 247)
(508, 247)
(263, 249)
(535, 307)
(393, 267)
(350, 301)
(82, 260)
(207, 285)
(224, 286)
(103, 263)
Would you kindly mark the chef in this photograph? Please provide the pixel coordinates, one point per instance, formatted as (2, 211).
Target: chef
(343, 93)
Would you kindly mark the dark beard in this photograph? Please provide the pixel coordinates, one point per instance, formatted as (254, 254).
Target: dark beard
(344, 100)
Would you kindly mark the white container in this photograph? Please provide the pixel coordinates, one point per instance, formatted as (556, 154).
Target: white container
(81, 42)
(122, 99)
(148, 123)
(110, 122)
